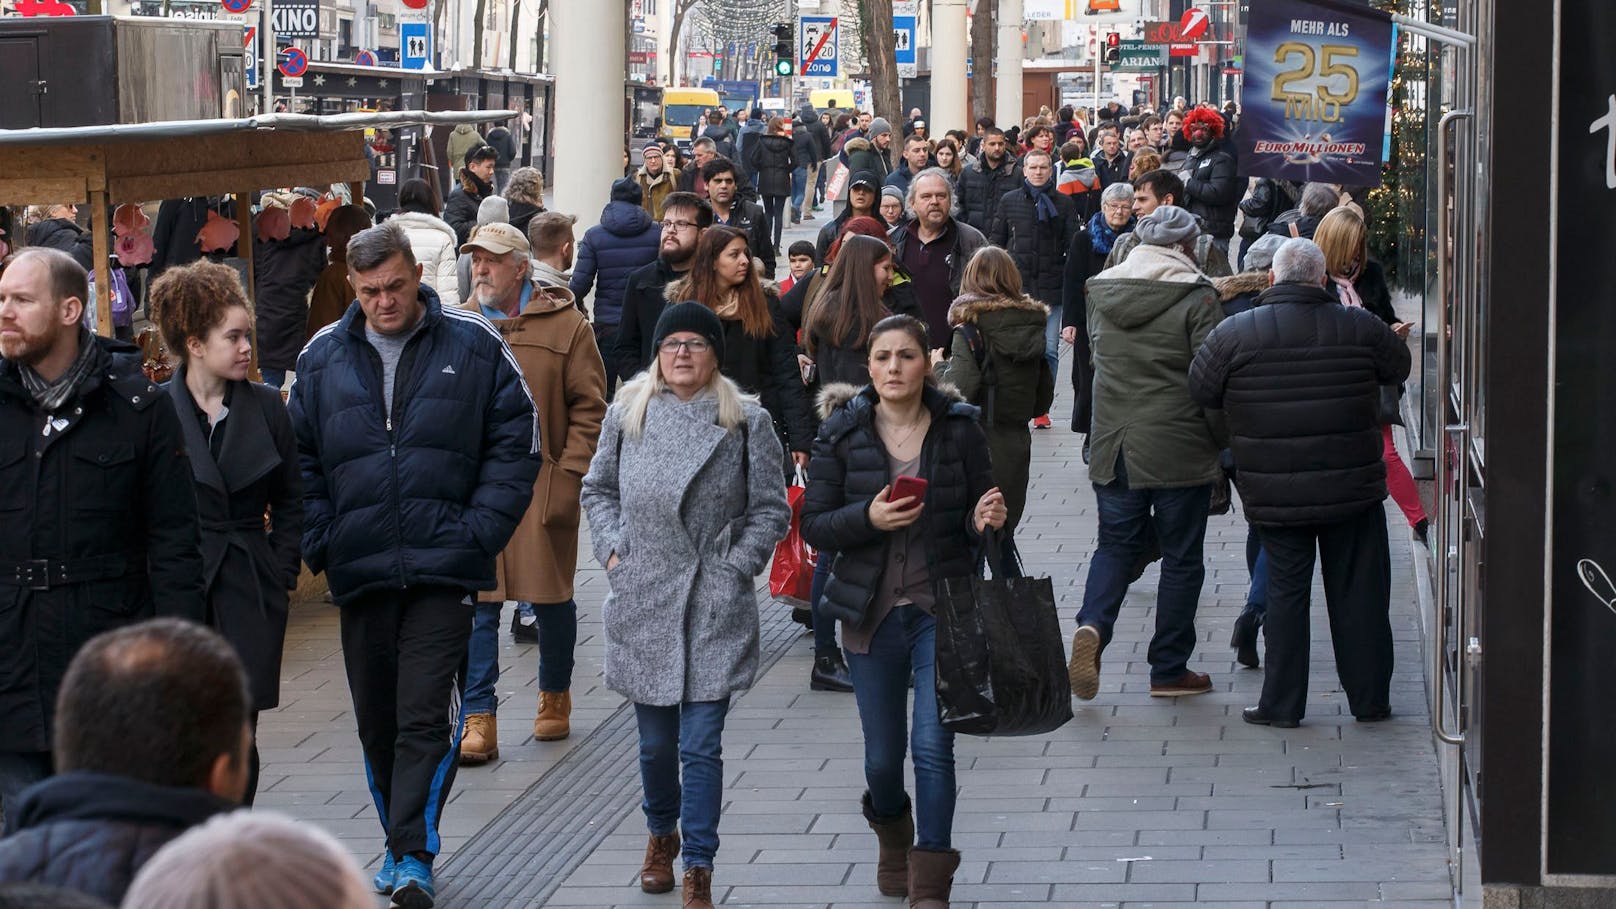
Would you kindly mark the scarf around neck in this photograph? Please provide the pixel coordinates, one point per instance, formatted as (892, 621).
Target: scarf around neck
(1103, 235)
(52, 395)
(1347, 293)
(1046, 206)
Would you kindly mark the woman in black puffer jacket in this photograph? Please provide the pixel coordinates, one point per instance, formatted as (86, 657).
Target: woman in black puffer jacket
(771, 157)
(889, 556)
(54, 226)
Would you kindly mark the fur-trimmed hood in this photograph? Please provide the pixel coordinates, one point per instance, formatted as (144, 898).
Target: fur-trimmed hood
(1246, 282)
(836, 394)
(675, 291)
(967, 309)
(856, 144)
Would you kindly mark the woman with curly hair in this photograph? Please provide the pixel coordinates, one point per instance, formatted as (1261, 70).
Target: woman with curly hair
(243, 454)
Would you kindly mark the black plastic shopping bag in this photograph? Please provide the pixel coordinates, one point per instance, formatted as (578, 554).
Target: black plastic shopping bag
(1001, 665)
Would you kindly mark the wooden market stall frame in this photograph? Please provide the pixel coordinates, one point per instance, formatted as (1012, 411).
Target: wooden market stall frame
(104, 166)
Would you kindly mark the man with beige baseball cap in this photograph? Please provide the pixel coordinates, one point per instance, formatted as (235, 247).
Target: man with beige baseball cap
(499, 271)
(555, 348)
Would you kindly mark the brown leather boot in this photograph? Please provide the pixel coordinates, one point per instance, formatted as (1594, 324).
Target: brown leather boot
(656, 875)
(479, 744)
(895, 835)
(698, 890)
(931, 877)
(554, 721)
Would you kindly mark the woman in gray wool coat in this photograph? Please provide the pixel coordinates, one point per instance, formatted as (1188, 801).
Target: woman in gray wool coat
(686, 502)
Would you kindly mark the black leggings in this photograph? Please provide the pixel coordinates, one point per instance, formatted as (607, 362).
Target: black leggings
(776, 208)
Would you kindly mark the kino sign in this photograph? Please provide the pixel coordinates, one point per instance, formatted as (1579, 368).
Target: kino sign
(296, 20)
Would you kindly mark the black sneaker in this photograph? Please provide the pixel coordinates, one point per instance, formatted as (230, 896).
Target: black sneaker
(830, 674)
(1423, 531)
(524, 628)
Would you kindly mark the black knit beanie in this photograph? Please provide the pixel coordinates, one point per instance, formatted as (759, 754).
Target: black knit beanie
(692, 317)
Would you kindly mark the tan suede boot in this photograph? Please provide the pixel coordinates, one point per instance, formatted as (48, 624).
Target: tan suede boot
(931, 877)
(698, 889)
(554, 721)
(479, 744)
(895, 835)
(656, 875)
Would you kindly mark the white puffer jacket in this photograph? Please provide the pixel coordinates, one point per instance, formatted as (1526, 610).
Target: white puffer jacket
(437, 251)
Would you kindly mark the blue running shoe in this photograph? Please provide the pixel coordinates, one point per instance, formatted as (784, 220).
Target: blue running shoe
(412, 888)
(384, 880)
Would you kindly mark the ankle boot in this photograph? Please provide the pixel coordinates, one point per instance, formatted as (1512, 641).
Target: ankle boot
(895, 835)
(931, 877)
(554, 720)
(656, 875)
(479, 743)
(698, 889)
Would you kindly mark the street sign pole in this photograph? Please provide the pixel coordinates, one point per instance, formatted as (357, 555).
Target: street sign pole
(266, 37)
(1099, 51)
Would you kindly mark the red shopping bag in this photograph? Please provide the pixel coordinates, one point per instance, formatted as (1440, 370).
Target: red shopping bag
(791, 577)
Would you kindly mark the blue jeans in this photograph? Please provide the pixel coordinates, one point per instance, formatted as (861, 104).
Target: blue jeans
(824, 625)
(558, 633)
(1257, 565)
(687, 736)
(799, 186)
(1052, 338)
(906, 638)
(1126, 516)
(274, 378)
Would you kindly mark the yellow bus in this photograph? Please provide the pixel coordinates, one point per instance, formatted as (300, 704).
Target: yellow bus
(682, 109)
(840, 99)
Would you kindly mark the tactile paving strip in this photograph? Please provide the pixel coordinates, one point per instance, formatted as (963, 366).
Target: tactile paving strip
(531, 847)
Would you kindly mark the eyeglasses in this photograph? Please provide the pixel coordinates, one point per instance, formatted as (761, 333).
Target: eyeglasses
(695, 346)
(1119, 206)
(679, 225)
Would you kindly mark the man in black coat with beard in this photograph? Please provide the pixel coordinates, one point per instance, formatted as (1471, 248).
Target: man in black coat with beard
(152, 740)
(1299, 378)
(100, 526)
(684, 217)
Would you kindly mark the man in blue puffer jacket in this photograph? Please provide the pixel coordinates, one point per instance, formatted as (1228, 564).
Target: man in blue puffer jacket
(419, 445)
(625, 240)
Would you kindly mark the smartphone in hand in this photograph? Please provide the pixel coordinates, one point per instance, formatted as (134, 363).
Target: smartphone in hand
(905, 487)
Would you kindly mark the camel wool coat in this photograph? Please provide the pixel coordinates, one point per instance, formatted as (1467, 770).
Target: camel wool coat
(555, 348)
(691, 533)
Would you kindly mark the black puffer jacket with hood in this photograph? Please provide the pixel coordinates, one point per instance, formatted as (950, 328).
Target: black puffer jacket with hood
(850, 467)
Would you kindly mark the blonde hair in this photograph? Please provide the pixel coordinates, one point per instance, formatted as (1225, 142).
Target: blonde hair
(635, 398)
(1341, 235)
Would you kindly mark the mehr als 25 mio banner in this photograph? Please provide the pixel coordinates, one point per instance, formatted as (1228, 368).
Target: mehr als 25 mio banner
(1314, 102)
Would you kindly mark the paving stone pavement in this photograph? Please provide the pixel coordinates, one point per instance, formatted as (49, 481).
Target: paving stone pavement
(1137, 802)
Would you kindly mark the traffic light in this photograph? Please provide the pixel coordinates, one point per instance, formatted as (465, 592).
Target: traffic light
(1113, 48)
(783, 49)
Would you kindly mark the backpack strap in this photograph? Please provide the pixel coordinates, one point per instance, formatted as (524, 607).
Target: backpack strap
(990, 376)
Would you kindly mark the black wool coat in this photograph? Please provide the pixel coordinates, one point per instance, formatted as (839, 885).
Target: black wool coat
(643, 302)
(284, 272)
(247, 567)
(849, 468)
(103, 502)
(1298, 379)
(92, 832)
(772, 159)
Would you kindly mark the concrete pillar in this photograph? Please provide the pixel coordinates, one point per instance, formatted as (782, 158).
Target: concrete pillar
(588, 40)
(1007, 97)
(949, 47)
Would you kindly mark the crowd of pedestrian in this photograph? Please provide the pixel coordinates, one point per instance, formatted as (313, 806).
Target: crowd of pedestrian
(471, 379)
